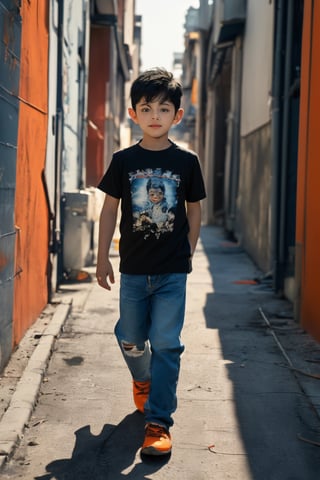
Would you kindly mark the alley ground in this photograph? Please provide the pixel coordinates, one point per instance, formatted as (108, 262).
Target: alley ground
(249, 396)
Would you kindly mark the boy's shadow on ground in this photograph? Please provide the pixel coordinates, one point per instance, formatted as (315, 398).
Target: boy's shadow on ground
(113, 454)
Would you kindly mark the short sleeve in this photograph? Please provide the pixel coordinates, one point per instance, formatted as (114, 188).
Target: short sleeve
(111, 181)
(196, 189)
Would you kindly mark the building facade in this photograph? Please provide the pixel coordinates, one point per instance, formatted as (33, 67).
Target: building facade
(252, 69)
(64, 66)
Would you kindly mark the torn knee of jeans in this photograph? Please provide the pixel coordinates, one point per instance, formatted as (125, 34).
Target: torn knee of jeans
(132, 350)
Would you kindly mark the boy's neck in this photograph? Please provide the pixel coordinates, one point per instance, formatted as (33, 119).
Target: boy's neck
(155, 143)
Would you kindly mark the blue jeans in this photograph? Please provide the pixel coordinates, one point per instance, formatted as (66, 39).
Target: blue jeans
(152, 309)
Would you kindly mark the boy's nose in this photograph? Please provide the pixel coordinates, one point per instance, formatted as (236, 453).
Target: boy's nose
(155, 115)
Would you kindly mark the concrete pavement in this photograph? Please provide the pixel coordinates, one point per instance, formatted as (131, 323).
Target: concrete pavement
(249, 397)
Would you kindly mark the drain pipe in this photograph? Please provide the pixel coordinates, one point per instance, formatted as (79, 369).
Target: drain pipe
(275, 142)
(284, 149)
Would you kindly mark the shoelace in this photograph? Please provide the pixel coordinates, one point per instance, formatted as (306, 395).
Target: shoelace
(142, 391)
(156, 431)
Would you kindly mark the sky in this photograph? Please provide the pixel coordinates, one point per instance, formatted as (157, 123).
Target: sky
(162, 30)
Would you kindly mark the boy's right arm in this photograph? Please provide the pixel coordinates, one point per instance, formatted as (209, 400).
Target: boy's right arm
(107, 224)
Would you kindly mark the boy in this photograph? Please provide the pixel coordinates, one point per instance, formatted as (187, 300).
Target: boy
(160, 186)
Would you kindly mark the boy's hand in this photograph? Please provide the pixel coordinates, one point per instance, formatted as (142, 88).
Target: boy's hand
(102, 274)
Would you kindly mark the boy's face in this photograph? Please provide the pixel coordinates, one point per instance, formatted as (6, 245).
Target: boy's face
(155, 118)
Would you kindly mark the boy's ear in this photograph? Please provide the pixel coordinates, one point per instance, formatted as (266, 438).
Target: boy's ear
(132, 114)
(178, 116)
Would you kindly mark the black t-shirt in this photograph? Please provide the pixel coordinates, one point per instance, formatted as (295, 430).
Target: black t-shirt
(153, 187)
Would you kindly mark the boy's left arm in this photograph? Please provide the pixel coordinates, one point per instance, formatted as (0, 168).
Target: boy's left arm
(194, 219)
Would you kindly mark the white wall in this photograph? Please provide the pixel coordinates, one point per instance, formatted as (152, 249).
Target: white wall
(257, 65)
(52, 100)
(73, 30)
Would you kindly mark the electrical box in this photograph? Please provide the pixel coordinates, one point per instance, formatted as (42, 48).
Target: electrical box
(78, 214)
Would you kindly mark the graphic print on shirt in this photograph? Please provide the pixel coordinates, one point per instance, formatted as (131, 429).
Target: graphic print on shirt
(154, 201)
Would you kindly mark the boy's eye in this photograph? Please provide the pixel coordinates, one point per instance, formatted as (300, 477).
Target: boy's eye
(165, 110)
(145, 109)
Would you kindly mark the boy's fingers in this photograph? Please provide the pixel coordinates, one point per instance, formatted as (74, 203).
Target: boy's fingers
(104, 283)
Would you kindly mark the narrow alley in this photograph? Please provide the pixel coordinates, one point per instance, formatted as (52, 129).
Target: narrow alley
(248, 395)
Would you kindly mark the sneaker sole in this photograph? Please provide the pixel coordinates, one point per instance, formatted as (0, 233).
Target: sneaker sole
(153, 451)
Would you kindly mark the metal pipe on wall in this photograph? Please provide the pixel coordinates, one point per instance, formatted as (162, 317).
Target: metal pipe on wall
(276, 113)
(284, 144)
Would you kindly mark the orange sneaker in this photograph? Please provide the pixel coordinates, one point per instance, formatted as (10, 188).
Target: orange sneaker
(140, 394)
(157, 440)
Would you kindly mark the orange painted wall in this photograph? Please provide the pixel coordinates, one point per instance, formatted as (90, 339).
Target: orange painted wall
(31, 213)
(308, 193)
(98, 78)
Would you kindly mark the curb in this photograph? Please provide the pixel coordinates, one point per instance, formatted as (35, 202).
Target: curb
(24, 399)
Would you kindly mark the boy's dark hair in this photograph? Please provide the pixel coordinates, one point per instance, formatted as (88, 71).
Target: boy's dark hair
(156, 83)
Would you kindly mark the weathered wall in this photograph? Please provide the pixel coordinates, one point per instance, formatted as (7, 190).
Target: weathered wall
(253, 226)
(97, 96)
(257, 65)
(31, 213)
(253, 204)
(10, 40)
(308, 194)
